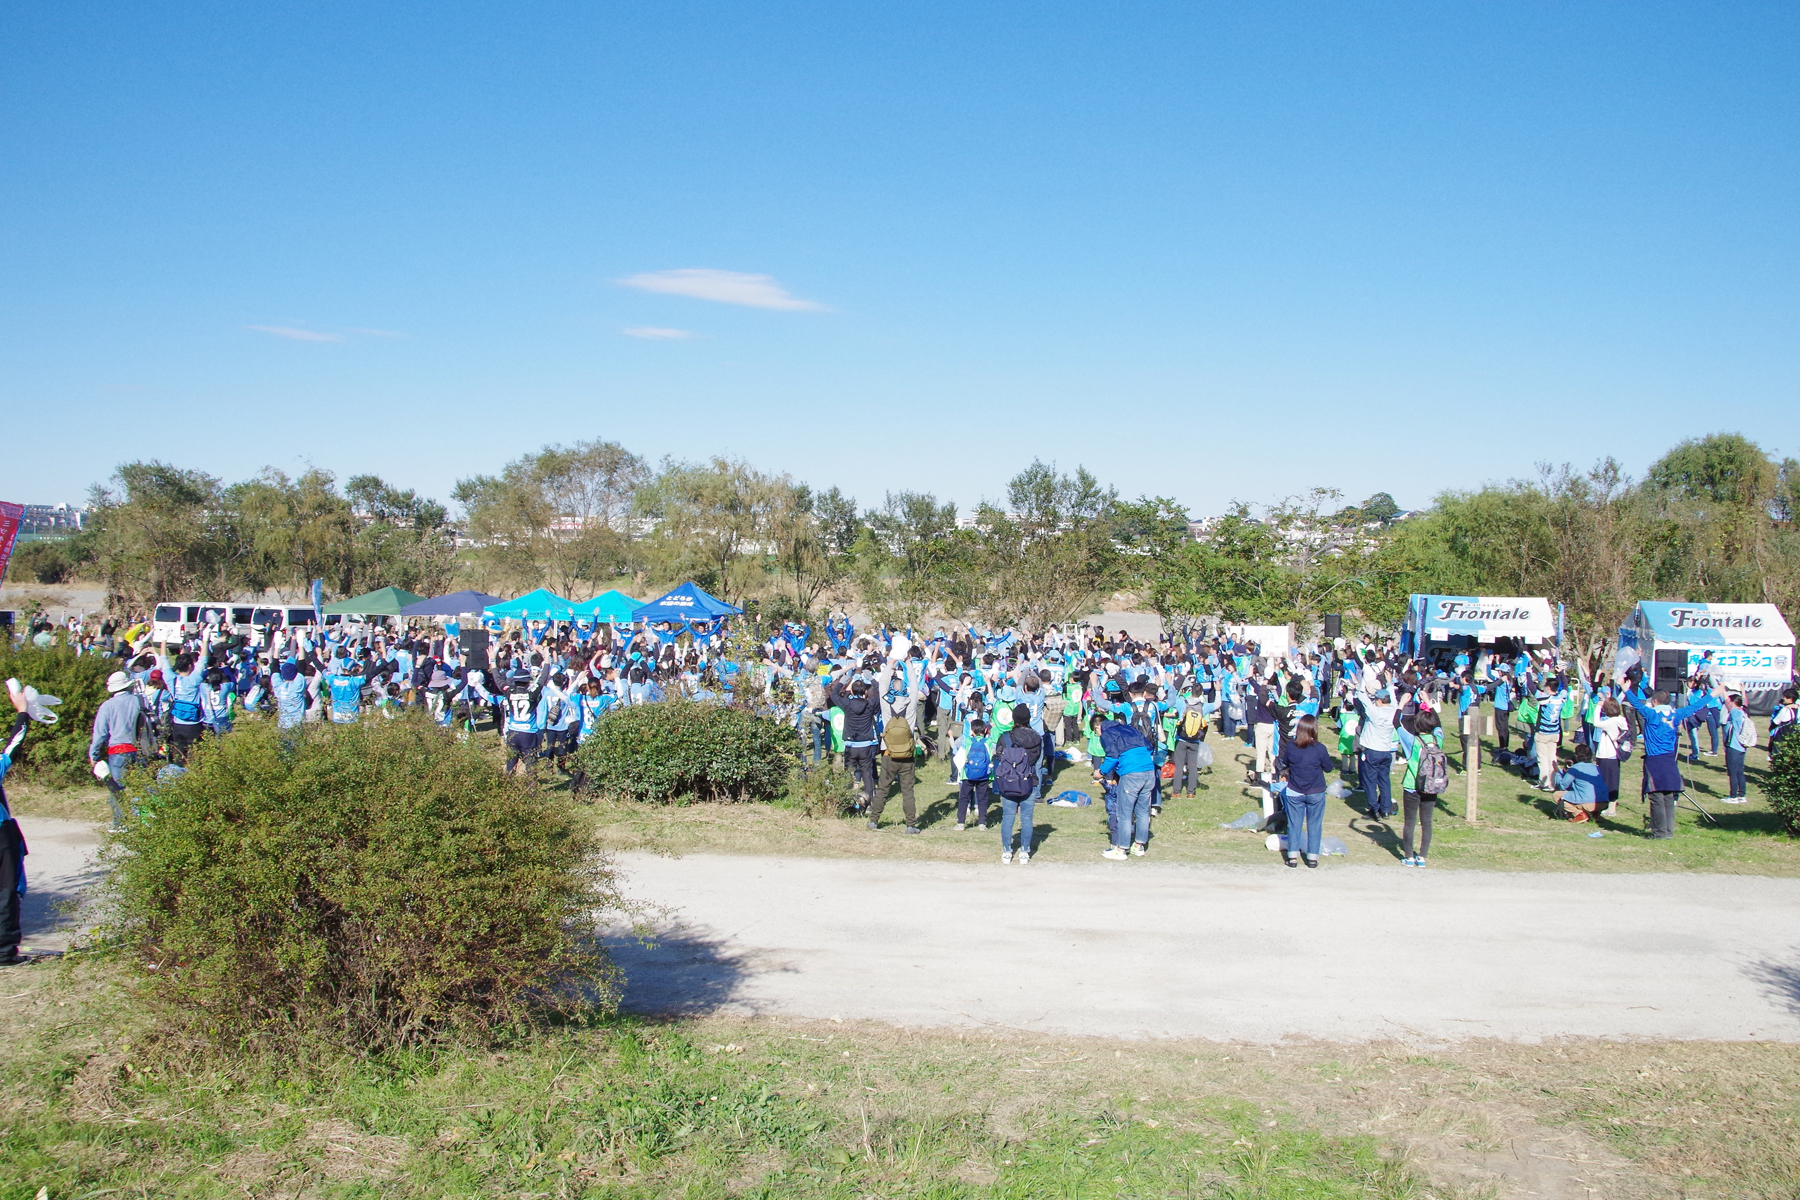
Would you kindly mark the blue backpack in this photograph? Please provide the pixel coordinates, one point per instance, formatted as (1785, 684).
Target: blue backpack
(977, 765)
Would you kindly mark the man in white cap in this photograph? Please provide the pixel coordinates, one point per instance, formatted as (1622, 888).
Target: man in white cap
(115, 740)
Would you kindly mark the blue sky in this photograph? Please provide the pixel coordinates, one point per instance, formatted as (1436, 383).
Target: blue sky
(1210, 251)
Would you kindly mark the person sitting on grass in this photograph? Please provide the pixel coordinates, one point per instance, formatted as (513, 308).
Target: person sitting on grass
(1581, 791)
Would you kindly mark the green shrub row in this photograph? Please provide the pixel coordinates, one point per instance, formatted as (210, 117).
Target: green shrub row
(681, 751)
(372, 886)
(57, 754)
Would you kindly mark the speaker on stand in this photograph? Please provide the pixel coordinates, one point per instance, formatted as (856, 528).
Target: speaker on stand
(1334, 625)
(473, 643)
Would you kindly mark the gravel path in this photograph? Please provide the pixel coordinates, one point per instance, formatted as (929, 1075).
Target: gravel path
(1145, 949)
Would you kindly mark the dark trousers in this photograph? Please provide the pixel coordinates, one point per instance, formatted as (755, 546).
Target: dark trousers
(1734, 768)
(1609, 772)
(1187, 767)
(1419, 808)
(972, 798)
(12, 844)
(183, 738)
(1662, 814)
(861, 762)
(907, 775)
(1378, 781)
(1503, 727)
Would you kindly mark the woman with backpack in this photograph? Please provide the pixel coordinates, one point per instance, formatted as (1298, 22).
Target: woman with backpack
(1302, 765)
(1612, 746)
(1427, 776)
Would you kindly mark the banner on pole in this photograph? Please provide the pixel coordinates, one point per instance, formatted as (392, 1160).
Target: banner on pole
(11, 516)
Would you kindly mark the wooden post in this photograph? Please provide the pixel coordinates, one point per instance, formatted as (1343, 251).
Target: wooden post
(1472, 760)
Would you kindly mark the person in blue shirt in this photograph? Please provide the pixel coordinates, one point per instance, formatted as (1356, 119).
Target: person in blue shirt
(1662, 737)
(1581, 790)
(1127, 757)
(344, 685)
(12, 843)
(526, 717)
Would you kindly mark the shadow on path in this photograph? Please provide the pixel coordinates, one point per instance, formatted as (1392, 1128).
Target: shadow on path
(686, 972)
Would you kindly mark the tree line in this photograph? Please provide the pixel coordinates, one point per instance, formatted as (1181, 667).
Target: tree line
(1711, 520)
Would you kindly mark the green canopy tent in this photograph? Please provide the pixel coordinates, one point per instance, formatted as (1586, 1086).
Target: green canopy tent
(382, 602)
(614, 606)
(541, 605)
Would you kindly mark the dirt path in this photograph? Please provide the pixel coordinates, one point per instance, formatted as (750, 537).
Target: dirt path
(59, 867)
(1146, 949)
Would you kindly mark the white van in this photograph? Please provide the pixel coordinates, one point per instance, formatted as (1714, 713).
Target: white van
(177, 619)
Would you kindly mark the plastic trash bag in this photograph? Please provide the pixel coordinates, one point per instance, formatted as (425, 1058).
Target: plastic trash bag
(1339, 790)
(1332, 845)
(1249, 820)
(1071, 799)
(38, 707)
(1203, 756)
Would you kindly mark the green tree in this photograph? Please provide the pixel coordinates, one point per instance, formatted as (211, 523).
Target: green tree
(157, 532)
(709, 519)
(561, 517)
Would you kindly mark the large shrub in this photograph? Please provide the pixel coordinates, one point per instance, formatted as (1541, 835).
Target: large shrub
(372, 886)
(58, 753)
(1783, 785)
(679, 750)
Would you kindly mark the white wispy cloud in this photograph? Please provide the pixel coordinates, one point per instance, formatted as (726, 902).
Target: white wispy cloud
(656, 333)
(725, 287)
(296, 334)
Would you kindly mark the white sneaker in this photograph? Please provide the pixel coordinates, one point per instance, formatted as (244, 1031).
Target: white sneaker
(1737, 800)
(1005, 857)
(1116, 853)
(960, 827)
(1024, 857)
(1137, 849)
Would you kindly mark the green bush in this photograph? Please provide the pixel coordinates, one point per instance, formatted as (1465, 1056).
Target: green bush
(1783, 787)
(822, 790)
(371, 886)
(44, 561)
(58, 753)
(679, 750)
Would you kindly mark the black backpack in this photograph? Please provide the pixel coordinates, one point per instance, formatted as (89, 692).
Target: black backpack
(1015, 770)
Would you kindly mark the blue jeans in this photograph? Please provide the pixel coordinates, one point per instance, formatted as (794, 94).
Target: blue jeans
(1378, 781)
(117, 765)
(1021, 808)
(1304, 810)
(1133, 805)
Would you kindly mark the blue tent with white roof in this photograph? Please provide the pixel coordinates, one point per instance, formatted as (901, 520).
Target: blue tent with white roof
(688, 603)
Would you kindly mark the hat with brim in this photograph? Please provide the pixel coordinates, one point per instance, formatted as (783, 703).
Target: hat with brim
(117, 682)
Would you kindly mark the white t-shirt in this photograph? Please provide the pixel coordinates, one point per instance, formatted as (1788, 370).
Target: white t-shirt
(1608, 732)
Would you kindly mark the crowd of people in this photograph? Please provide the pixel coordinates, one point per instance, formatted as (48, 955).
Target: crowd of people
(1007, 711)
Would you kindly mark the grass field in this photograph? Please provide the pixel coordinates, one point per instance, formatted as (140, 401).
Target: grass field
(760, 1108)
(1515, 831)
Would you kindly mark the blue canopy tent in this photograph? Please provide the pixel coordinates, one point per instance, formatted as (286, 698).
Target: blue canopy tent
(541, 605)
(455, 604)
(614, 606)
(686, 607)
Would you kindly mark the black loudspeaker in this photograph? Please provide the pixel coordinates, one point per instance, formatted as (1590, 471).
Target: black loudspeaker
(1334, 625)
(474, 646)
(1671, 671)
